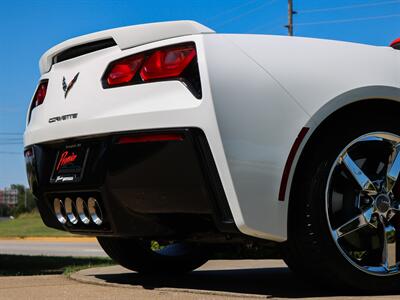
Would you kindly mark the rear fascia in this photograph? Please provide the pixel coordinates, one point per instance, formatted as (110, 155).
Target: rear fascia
(144, 188)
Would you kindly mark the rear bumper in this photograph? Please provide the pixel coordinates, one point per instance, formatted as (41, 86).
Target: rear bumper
(151, 189)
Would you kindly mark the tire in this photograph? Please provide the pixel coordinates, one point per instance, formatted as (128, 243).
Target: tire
(137, 255)
(340, 234)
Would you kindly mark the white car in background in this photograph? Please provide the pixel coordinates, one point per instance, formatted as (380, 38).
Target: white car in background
(170, 134)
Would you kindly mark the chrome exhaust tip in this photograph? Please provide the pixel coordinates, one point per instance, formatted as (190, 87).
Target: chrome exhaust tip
(82, 210)
(59, 211)
(95, 211)
(70, 210)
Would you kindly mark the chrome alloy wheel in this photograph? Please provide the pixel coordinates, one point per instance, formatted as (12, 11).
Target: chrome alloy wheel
(363, 203)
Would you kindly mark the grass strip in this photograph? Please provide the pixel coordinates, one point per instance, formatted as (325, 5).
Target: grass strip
(29, 225)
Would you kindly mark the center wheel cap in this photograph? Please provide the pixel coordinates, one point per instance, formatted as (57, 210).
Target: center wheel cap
(382, 203)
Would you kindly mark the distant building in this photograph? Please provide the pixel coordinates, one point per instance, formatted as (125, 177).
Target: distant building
(8, 197)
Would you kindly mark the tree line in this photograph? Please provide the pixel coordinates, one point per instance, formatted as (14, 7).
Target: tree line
(25, 202)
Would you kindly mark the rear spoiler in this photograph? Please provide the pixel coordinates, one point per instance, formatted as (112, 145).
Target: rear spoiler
(126, 37)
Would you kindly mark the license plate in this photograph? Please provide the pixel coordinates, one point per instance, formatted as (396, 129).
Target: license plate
(70, 164)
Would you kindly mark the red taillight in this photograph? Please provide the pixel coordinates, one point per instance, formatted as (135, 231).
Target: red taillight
(28, 153)
(175, 62)
(39, 96)
(166, 63)
(395, 44)
(147, 138)
(40, 93)
(124, 70)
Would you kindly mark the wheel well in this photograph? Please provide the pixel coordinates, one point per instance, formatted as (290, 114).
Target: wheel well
(355, 110)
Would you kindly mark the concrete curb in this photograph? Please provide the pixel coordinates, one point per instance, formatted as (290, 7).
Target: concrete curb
(89, 276)
(80, 276)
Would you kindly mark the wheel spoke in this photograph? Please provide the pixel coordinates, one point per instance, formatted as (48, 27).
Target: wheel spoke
(389, 246)
(354, 224)
(393, 168)
(363, 181)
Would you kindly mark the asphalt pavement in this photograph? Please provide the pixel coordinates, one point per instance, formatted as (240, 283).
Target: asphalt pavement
(52, 247)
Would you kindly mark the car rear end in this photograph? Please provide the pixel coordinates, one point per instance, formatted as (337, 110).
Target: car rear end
(122, 139)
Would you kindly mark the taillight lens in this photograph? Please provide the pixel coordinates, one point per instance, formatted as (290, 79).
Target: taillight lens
(395, 44)
(177, 62)
(39, 96)
(124, 70)
(167, 63)
(40, 93)
(28, 153)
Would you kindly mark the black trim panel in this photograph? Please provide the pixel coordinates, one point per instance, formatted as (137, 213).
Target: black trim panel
(83, 49)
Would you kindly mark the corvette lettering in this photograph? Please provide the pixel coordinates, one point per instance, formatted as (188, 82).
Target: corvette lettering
(63, 118)
(65, 159)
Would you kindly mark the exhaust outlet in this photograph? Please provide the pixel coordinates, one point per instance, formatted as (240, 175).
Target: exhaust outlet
(59, 211)
(95, 211)
(70, 210)
(82, 210)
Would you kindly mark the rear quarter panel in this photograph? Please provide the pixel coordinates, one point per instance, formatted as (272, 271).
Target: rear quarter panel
(258, 122)
(265, 89)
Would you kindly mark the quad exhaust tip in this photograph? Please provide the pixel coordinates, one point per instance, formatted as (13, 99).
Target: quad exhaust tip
(59, 210)
(82, 210)
(70, 210)
(78, 211)
(95, 211)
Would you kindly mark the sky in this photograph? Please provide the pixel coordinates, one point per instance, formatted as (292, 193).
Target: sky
(29, 28)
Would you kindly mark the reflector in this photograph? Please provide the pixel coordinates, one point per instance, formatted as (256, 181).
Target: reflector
(289, 162)
(146, 138)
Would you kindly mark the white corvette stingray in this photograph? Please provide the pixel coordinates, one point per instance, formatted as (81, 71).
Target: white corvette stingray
(162, 138)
